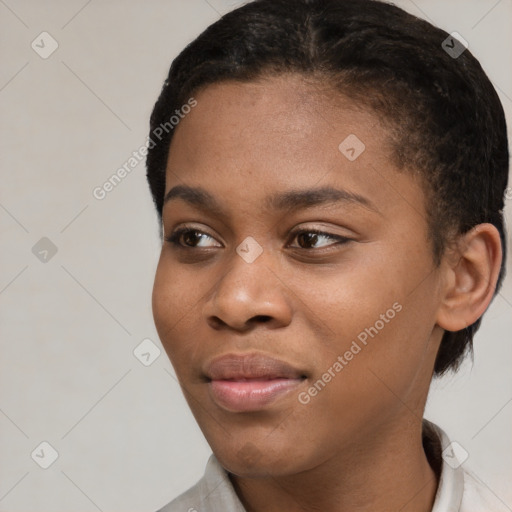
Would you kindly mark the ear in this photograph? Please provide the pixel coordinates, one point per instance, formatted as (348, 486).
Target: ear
(471, 271)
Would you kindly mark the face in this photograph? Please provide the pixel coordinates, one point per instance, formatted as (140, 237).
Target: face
(299, 307)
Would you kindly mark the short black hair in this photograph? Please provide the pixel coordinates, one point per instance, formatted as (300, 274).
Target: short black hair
(444, 116)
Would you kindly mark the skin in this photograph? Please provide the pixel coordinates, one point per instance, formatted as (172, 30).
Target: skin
(357, 444)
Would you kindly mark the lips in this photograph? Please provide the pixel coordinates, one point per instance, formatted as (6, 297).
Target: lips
(250, 366)
(250, 382)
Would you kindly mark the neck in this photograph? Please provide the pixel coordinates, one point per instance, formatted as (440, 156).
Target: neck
(387, 472)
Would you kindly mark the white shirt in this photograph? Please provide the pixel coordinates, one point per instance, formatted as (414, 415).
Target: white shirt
(458, 489)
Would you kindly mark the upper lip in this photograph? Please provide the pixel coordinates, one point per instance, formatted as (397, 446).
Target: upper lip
(250, 366)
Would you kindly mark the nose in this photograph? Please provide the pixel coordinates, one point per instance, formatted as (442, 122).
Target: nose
(249, 294)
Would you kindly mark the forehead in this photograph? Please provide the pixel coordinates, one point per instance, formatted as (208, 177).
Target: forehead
(248, 140)
(287, 113)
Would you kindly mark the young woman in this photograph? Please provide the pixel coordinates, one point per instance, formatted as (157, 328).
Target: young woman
(329, 176)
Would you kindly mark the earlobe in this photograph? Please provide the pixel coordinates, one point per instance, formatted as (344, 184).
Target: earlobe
(470, 277)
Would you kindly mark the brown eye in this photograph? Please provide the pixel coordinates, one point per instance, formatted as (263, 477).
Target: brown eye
(308, 238)
(192, 238)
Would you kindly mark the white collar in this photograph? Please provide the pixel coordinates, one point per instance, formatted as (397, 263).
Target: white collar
(450, 488)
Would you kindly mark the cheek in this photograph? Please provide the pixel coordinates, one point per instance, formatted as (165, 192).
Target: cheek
(378, 317)
(352, 297)
(173, 301)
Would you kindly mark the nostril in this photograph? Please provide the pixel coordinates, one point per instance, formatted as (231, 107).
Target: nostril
(263, 318)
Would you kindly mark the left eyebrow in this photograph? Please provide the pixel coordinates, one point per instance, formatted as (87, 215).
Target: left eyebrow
(291, 200)
(301, 199)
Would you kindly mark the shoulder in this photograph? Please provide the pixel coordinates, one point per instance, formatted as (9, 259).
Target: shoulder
(186, 502)
(213, 492)
(478, 497)
(459, 489)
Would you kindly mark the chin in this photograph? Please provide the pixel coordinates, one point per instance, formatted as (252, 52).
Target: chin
(258, 460)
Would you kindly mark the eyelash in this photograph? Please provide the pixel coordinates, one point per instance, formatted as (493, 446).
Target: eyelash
(175, 237)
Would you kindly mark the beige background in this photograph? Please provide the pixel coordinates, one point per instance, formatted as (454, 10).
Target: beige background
(125, 438)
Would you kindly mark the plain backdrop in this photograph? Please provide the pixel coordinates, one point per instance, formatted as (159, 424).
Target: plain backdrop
(70, 320)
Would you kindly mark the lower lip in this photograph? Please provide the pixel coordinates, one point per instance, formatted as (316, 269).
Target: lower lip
(250, 395)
